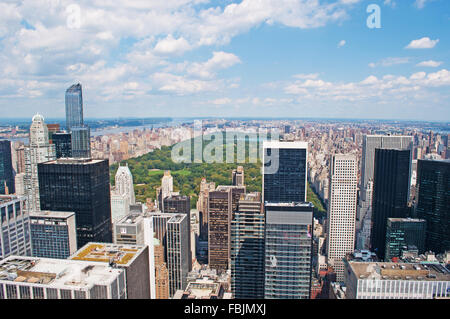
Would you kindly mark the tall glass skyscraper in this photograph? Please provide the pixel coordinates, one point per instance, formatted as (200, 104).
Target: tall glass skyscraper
(74, 107)
(391, 185)
(80, 133)
(80, 186)
(6, 169)
(288, 250)
(433, 205)
(285, 171)
(247, 248)
(404, 234)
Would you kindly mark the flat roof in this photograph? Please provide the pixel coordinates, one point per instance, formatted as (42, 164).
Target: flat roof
(80, 161)
(4, 199)
(57, 273)
(285, 145)
(400, 271)
(130, 219)
(289, 204)
(49, 213)
(120, 254)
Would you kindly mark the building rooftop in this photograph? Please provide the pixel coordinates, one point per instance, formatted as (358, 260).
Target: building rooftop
(400, 271)
(285, 145)
(122, 255)
(56, 272)
(130, 219)
(54, 214)
(289, 204)
(4, 199)
(79, 161)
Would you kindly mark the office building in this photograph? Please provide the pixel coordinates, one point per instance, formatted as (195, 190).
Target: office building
(202, 207)
(39, 151)
(53, 234)
(63, 144)
(433, 204)
(81, 141)
(341, 211)
(370, 143)
(378, 280)
(15, 236)
(288, 250)
(7, 185)
(80, 186)
(247, 248)
(124, 183)
(133, 258)
(402, 234)
(237, 176)
(120, 206)
(285, 171)
(46, 278)
(74, 107)
(19, 181)
(390, 193)
(129, 230)
(166, 186)
(161, 272)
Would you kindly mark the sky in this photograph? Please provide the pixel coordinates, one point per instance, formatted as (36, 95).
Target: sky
(224, 58)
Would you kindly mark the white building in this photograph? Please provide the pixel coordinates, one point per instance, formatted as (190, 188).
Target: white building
(15, 238)
(120, 206)
(124, 183)
(166, 185)
(341, 211)
(45, 278)
(379, 280)
(38, 151)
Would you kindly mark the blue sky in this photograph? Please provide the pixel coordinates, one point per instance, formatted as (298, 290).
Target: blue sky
(179, 58)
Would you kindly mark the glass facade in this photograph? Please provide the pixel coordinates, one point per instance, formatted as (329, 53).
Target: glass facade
(247, 249)
(6, 169)
(74, 107)
(433, 205)
(288, 183)
(288, 250)
(80, 186)
(390, 193)
(404, 233)
(63, 144)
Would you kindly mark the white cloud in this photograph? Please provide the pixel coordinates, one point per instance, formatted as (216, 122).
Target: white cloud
(387, 62)
(423, 43)
(383, 89)
(429, 64)
(341, 43)
(170, 45)
(420, 4)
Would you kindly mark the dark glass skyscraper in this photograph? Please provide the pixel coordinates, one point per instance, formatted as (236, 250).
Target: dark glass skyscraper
(80, 186)
(285, 169)
(433, 205)
(6, 169)
(390, 193)
(247, 248)
(63, 144)
(402, 234)
(74, 107)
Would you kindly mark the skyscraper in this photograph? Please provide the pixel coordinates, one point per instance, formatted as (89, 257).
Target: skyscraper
(63, 144)
(74, 107)
(370, 143)
(390, 193)
(6, 169)
(39, 151)
(288, 250)
(80, 133)
(403, 234)
(237, 176)
(285, 171)
(15, 236)
(433, 204)
(80, 186)
(53, 234)
(166, 185)
(341, 211)
(124, 183)
(247, 248)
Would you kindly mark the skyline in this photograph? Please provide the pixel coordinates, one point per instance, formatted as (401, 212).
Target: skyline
(320, 59)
